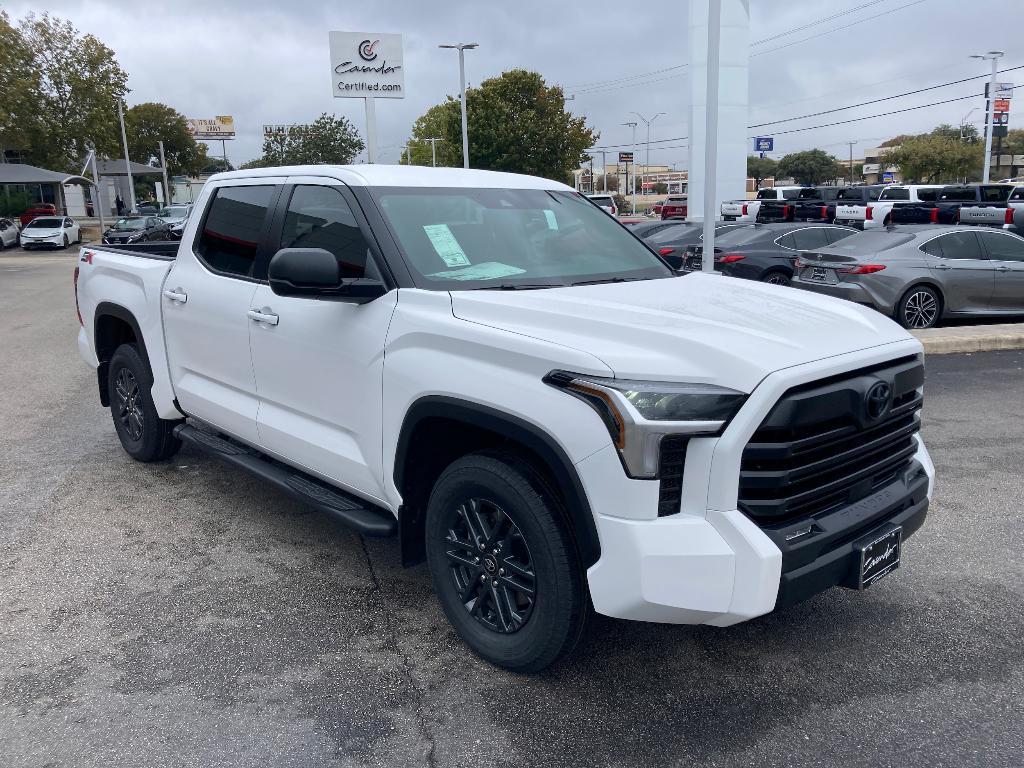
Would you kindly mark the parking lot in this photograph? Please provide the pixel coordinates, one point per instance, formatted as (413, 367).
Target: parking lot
(185, 614)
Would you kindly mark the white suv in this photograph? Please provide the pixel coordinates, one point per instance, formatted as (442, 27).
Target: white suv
(489, 368)
(607, 202)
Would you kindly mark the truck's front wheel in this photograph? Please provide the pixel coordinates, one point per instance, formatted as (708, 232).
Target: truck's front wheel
(503, 564)
(143, 434)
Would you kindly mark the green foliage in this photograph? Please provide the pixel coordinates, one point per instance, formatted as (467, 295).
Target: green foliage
(18, 81)
(759, 168)
(148, 124)
(328, 140)
(813, 166)
(936, 157)
(516, 123)
(14, 203)
(70, 85)
(660, 188)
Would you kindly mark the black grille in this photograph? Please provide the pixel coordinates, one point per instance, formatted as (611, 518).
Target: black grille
(818, 450)
(670, 470)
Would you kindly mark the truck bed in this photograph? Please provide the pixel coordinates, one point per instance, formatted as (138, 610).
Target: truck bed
(166, 250)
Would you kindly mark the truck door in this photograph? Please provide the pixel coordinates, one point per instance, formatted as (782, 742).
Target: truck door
(319, 364)
(205, 301)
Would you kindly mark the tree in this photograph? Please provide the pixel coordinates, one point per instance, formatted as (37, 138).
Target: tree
(935, 158)
(813, 166)
(516, 123)
(19, 80)
(75, 99)
(148, 124)
(328, 140)
(761, 168)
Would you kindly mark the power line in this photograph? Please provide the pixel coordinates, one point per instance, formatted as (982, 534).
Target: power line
(621, 79)
(885, 98)
(816, 23)
(830, 31)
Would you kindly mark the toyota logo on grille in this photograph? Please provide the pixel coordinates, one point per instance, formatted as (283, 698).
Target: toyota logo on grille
(876, 402)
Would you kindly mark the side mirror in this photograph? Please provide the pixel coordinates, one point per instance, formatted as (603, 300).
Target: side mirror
(313, 273)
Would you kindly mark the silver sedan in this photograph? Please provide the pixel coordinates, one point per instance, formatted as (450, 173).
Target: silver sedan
(920, 274)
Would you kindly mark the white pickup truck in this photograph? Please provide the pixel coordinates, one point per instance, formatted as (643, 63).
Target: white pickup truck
(746, 210)
(1009, 215)
(490, 368)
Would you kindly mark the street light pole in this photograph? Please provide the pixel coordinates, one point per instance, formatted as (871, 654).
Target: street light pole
(851, 143)
(462, 48)
(647, 163)
(127, 162)
(433, 149)
(993, 56)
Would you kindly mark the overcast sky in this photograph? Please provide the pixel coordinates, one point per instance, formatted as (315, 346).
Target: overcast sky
(266, 61)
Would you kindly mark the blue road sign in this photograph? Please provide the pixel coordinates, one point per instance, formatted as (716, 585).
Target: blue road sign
(764, 144)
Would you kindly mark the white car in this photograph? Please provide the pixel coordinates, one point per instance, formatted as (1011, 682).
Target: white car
(492, 370)
(51, 232)
(745, 211)
(8, 232)
(607, 202)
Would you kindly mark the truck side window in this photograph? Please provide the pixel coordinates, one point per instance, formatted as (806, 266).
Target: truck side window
(319, 217)
(231, 231)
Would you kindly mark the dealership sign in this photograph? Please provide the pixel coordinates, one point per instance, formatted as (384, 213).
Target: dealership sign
(367, 65)
(220, 127)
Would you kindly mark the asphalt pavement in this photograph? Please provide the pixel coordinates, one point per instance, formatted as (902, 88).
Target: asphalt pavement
(184, 614)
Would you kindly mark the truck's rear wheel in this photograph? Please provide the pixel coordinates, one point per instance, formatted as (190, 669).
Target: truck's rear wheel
(503, 564)
(143, 434)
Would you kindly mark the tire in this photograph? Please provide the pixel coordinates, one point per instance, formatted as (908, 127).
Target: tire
(775, 278)
(919, 308)
(510, 526)
(66, 241)
(143, 434)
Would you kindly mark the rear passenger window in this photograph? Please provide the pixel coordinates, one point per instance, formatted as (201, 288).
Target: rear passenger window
(320, 217)
(231, 232)
(994, 194)
(809, 239)
(933, 247)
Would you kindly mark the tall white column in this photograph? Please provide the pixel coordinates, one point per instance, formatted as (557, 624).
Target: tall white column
(732, 144)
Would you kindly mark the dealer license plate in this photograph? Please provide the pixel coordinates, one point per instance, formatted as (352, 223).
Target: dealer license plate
(879, 554)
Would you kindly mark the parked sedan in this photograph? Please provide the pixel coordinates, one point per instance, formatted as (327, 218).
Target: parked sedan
(9, 233)
(50, 232)
(919, 274)
(766, 252)
(37, 209)
(137, 229)
(675, 244)
(175, 214)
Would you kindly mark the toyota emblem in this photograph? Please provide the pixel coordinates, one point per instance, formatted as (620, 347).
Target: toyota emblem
(877, 400)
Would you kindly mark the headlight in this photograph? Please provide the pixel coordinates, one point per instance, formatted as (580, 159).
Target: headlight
(133, 238)
(638, 414)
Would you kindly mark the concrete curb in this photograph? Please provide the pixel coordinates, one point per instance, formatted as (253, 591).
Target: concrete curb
(974, 338)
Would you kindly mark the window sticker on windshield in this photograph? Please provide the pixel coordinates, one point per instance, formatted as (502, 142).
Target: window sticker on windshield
(486, 271)
(446, 245)
(550, 216)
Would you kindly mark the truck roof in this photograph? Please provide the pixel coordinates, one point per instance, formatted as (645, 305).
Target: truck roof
(366, 175)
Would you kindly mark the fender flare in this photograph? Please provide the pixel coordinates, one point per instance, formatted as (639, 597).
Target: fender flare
(581, 518)
(109, 309)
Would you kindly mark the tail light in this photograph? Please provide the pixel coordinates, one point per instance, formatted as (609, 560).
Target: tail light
(665, 251)
(729, 258)
(933, 215)
(862, 269)
(957, 215)
(869, 214)
(77, 310)
(744, 209)
(824, 211)
(1008, 218)
(786, 210)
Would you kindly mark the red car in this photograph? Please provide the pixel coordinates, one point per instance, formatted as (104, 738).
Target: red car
(39, 209)
(674, 208)
(656, 210)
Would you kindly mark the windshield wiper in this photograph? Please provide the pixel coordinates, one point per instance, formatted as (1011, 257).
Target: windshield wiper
(518, 287)
(609, 280)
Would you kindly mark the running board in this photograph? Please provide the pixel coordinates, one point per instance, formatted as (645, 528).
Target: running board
(346, 509)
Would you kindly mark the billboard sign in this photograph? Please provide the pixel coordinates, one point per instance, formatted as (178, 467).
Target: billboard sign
(764, 144)
(367, 65)
(1004, 90)
(1002, 105)
(625, 157)
(278, 129)
(220, 127)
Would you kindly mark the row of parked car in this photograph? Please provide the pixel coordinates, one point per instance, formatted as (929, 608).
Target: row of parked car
(41, 227)
(918, 274)
(881, 205)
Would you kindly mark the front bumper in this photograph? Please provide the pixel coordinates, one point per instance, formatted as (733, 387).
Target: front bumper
(56, 241)
(712, 564)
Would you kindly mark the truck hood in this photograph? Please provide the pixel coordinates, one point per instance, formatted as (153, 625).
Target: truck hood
(702, 328)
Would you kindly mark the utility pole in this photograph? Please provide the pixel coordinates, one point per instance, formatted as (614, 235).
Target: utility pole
(851, 143)
(633, 126)
(408, 154)
(163, 167)
(604, 170)
(433, 149)
(127, 162)
(462, 48)
(992, 56)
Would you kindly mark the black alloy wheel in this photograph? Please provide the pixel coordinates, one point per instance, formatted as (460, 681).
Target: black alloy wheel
(490, 565)
(143, 434)
(776, 278)
(128, 408)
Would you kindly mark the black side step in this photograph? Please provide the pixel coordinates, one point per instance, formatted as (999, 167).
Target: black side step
(348, 510)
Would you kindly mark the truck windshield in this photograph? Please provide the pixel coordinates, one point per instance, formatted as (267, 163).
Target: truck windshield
(463, 238)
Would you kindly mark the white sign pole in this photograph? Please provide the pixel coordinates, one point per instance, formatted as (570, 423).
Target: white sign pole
(711, 134)
(371, 130)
